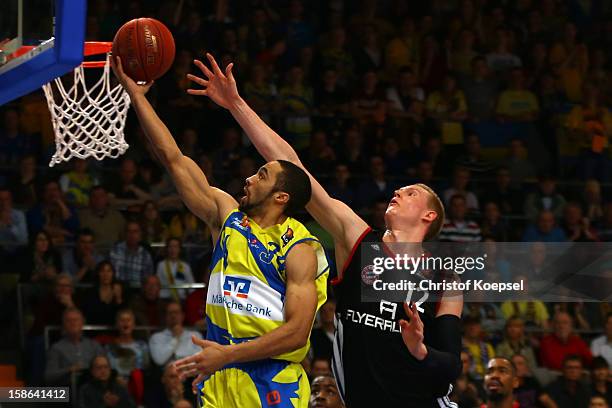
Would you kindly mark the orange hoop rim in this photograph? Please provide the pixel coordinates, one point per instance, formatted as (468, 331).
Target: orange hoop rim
(96, 48)
(90, 48)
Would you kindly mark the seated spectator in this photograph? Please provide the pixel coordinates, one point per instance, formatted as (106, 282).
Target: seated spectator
(529, 392)
(13, 227)
(456, 227)
(518, 165)
(402, 50)
(517, 104)
(507, 198)
(561, 343)
(154, 229)
(80, 261)
(576, 310)
(25, 185)
(73, 353)
(41, 262)
(102, 302)
(107, 224)
(403, 92)
(131, 260)
(602, 345)
(515, 342)
(174, 271)
(195, 309)
(260, 93)
(501, 59)
(472, 158)
(592, 201)
(340, 186)
(127, 189)
(533, 312)
(368, 103)
(546, 198)
(590, 127)
(461, 181)
(480, 90)
(376, 184)
(103, 390)
(369, 55)
(479, 350)
(604, 229)
(324, 393)
(330, 97)
(319, 156)
(322, 337)
(170, 393)
(77, 183)
(577, 228)
(235, 186)
(174, 342)
(568, 391)
(13, 143)
(544, 230)
(54, 215)
(335, 54)
(447, 108)
(352, 151)
(467, 391)
(227, 156)
(149, 309)
(128, 356)
(297, 102)
(492, 224)
(500, 382)
(600, 378)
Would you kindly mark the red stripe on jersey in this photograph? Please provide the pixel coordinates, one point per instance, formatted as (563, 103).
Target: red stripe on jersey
(338, 279)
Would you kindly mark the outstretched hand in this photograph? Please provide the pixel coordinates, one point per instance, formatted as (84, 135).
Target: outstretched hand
(204, 363)
(218, 86)
(412, 332)
(126, 82)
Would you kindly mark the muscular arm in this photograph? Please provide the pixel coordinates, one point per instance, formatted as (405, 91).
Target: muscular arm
(300, 308)
(333, 215)
(208, 203)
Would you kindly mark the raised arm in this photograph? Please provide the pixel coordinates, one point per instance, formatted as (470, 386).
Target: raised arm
(206, 202)
(333, 215)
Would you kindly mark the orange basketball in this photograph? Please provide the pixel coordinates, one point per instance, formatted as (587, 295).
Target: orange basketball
(146, 48)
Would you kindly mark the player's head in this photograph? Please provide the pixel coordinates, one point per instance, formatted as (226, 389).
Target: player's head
(598, 401)
(416, 206)
(279, 184)
(500, 379)
(324, 393)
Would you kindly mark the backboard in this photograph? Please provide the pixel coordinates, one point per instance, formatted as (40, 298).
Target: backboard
(40, 40)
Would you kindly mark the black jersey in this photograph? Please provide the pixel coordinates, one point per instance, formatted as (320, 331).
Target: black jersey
(371, 363)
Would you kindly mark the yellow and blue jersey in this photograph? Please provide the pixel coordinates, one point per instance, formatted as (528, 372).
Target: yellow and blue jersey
(246, 297)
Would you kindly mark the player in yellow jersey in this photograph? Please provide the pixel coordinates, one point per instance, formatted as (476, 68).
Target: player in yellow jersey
(268, 276)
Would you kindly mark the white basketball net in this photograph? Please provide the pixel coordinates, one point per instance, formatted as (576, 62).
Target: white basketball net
(87, 122)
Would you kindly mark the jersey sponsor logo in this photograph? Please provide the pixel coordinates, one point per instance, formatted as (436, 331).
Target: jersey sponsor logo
(236, 287)
(373, 321)
(273, 397)
(390, 307)
(287, 236)
(368, 276)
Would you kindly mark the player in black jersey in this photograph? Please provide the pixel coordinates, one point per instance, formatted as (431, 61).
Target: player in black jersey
(386, 354)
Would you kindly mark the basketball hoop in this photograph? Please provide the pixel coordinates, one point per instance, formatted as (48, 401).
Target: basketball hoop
(88, 122)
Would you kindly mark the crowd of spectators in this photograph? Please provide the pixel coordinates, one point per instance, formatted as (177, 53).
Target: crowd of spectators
(500, 106)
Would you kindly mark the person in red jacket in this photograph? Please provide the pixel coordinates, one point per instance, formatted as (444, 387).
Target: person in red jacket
(562, 343)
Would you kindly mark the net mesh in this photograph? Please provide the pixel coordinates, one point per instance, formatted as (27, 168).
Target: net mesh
(87, 121)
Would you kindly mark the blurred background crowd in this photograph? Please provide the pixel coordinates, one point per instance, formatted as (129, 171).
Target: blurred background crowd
(500, 106)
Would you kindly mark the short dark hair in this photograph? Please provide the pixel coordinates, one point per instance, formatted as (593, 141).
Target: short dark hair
(571, 357)
(599, 362)
(294, 181)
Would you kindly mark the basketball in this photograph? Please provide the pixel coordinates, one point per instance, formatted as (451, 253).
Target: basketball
(146, 48)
